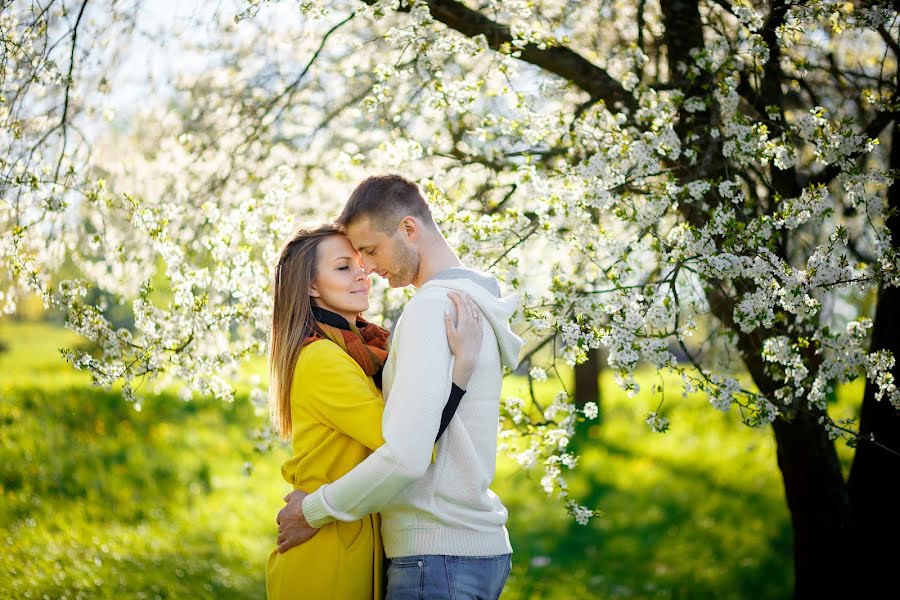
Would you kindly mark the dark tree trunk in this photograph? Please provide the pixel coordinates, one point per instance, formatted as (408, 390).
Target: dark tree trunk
(819, 506)
(587, 385)
(814, 485)
(874, 484)
(815, 491)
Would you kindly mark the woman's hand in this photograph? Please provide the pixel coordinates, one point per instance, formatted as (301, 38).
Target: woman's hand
(464, 337)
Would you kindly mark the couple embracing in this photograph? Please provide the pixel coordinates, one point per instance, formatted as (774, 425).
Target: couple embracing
(393, 444)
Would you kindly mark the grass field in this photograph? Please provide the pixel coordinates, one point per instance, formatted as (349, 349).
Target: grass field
(99, 500)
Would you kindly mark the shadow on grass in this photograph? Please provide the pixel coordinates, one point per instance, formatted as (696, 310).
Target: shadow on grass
(671, 529)
(91, 446)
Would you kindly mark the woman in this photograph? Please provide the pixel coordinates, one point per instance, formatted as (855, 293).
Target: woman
(325, 371)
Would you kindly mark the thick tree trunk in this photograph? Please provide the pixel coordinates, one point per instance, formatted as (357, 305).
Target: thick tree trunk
(819, 506)
(874, 484)
(814, 486)
(814, 489)
(815, 492)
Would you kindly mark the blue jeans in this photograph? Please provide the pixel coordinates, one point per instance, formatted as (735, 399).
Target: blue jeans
(438, 577)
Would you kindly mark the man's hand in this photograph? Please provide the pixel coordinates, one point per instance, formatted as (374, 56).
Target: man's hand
(293, 529)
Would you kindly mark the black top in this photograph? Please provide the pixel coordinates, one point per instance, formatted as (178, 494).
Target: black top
(456, 393)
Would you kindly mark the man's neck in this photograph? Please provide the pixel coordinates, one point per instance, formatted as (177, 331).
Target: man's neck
(436, 256)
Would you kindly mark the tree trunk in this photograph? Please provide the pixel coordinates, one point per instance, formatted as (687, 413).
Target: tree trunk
(819, 506)
(874, 484)
(816, 493)
(587, 385)
(814, 489)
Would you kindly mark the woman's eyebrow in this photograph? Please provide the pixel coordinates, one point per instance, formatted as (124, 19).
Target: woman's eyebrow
(342, 258)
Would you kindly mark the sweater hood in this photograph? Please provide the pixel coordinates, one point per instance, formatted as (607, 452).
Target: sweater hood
(497, 309)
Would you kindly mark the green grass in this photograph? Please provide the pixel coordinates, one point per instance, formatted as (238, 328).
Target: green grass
(696, 512)
(98, 500)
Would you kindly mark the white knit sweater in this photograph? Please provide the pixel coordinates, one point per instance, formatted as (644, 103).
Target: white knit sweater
(445, 507)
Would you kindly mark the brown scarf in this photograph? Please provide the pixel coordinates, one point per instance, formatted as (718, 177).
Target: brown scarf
(366, 342)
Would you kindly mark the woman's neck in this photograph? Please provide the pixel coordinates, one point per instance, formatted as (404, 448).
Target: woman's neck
(348, 316)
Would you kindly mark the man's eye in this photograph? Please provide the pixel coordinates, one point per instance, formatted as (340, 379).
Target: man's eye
(371, 252)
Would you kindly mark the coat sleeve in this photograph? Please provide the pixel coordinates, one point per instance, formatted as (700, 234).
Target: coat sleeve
(334, 389)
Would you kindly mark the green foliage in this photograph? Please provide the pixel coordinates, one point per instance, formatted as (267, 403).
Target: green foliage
(99, 500)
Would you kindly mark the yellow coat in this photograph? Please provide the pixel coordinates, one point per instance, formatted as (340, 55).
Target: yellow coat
(336, 415)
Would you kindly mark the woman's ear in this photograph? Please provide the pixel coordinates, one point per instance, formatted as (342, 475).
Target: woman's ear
(314, 292)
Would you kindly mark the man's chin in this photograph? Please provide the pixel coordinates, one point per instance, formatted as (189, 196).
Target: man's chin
(396, 282)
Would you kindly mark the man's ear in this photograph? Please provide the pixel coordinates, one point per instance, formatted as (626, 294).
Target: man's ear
(410, 227)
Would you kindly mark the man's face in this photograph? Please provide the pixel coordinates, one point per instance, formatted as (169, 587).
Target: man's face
(392, 256)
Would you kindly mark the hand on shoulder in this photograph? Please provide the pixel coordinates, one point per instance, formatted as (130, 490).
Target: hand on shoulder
(464, 336)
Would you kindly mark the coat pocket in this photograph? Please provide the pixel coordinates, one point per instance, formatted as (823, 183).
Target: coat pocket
(350, 533)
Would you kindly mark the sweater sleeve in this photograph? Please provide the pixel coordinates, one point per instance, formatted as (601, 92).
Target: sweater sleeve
(336, 392)
(421, 386)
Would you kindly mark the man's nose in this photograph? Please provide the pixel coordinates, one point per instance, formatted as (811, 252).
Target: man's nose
(368, 266)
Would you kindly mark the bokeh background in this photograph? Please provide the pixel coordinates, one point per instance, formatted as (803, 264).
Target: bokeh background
(667, 214)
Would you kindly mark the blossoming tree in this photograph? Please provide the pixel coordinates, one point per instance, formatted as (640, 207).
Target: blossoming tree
(652, 176)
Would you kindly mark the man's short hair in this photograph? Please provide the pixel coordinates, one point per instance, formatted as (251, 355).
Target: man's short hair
(385, 200)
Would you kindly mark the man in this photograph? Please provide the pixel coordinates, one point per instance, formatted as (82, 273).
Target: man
(443, 528)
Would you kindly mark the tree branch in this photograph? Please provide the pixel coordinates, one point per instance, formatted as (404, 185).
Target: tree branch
(890, 41)
(65, 112)
(559, 60)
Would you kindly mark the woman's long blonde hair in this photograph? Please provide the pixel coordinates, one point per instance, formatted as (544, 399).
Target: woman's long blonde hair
(292, 319)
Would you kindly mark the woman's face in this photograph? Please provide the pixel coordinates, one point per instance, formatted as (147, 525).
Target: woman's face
(341, 284)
